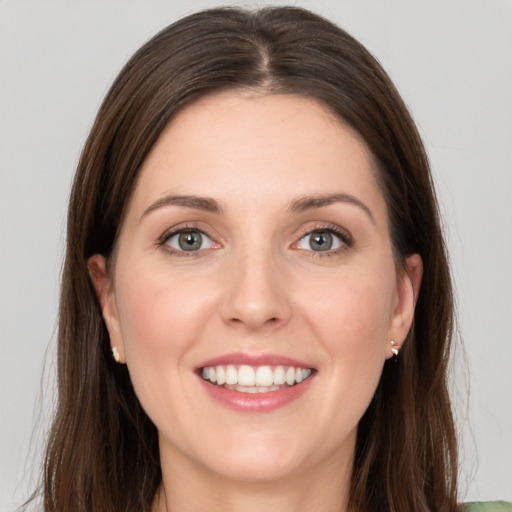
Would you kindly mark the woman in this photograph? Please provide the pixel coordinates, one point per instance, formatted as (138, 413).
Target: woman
(256, 307)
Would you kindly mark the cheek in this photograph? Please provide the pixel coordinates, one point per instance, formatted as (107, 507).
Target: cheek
(351, 319)
(160, 317)
(352, 311)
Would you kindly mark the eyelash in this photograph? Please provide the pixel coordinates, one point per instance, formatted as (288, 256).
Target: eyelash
(343, 235)
(164, 239)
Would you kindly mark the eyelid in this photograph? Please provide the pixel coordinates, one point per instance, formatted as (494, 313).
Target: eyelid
(163, 240)
(342, 234)
(205, 239)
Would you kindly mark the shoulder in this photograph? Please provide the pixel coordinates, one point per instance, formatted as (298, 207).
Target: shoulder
(488, 506)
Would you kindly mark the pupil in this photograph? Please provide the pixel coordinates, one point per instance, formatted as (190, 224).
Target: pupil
(321, 241)
(190, 241)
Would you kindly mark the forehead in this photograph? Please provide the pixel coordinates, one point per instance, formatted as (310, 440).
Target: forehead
(257, 148)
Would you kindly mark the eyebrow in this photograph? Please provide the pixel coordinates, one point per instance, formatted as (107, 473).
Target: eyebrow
(318, 201)
(299, 205)
(198, 203)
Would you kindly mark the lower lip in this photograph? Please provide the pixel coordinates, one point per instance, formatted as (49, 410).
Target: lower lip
(256, 402)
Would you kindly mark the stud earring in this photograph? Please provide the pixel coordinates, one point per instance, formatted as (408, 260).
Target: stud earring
(115, 353)
(394, 347)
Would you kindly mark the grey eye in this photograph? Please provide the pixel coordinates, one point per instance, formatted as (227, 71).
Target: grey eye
(189, 241)
(319, 241)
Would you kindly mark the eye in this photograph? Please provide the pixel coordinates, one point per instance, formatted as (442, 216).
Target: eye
(189, 240)
(321, 240)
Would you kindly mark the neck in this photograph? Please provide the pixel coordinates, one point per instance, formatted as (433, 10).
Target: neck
(190, 488)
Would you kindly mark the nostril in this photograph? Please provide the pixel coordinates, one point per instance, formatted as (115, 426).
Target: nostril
(240, 321)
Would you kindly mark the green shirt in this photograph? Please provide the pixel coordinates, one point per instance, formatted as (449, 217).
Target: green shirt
(488, 506)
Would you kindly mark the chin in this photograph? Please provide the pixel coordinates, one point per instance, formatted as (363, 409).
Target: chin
(256, 469)
(253, 456)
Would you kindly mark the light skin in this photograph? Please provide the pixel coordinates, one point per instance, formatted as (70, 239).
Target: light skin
(256, 179)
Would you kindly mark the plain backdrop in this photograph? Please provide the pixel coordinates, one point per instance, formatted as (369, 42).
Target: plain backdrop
(452, 62)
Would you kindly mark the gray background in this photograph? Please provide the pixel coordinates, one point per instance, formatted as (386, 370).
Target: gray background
(451, 60)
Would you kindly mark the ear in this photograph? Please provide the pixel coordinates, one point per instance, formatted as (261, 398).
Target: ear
(408, 287)
(97, 266)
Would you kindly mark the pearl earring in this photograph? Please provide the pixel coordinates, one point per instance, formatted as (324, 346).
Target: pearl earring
(115, 353)
(394, 347)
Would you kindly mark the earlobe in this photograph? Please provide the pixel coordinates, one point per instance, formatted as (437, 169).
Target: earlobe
(408, 287)
(102, 282)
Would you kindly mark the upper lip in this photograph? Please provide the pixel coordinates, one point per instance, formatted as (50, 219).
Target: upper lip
(239, 358)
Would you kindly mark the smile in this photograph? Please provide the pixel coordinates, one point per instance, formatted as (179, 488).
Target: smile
(255, 379)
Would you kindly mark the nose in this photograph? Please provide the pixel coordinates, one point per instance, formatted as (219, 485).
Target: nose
(256, 292)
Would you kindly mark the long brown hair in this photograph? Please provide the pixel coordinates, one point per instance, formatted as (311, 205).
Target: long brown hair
(103, 450)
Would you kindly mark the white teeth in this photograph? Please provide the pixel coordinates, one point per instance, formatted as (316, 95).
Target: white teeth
(221, 375)
(290, 376)
(254, 389)
(245, 389)
(246, 376)
(279, 376)
(231, 375)
(260, 379)
(264, 376)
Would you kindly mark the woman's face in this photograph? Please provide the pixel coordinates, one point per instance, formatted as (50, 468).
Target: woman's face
(256, 251)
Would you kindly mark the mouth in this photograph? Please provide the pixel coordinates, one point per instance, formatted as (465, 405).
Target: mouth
(255, 383)
(255, 379)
